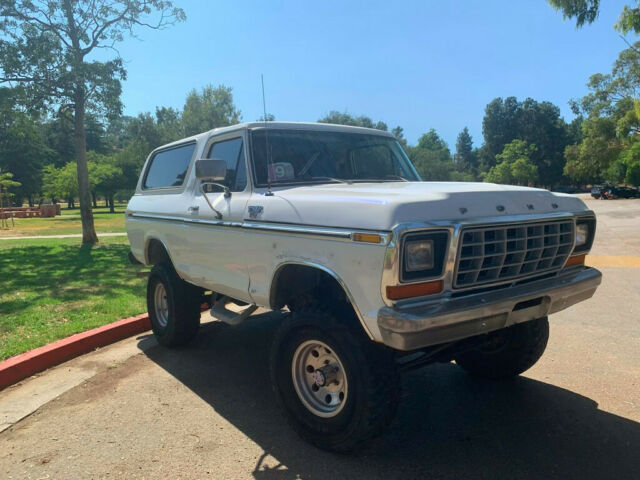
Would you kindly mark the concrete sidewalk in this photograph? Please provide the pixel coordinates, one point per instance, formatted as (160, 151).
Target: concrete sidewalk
(21, 400)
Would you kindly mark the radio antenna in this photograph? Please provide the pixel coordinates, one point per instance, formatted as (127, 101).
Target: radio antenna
(266, 138)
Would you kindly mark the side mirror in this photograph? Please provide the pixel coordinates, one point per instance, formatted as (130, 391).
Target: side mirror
(212, 170)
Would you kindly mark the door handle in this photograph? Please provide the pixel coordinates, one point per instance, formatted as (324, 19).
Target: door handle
(194, 208)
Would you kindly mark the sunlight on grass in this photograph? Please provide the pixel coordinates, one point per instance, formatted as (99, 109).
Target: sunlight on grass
(53, 288)
(67, 223)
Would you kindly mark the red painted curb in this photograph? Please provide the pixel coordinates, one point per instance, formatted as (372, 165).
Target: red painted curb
(26, 364)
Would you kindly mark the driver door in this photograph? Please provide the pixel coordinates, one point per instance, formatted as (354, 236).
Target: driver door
(214, 246)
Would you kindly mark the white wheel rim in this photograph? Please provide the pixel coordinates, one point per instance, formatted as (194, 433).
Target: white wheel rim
(161, 305)
(319, 378)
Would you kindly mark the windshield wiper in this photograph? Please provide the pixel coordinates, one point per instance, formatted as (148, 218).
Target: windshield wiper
(339, 180)
(396, 177)
(387, 178)
(309, 178)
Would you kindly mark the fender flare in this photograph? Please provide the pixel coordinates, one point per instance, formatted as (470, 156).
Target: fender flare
(328, 271)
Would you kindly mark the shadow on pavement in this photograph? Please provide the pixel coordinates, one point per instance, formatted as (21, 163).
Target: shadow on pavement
(449, 425)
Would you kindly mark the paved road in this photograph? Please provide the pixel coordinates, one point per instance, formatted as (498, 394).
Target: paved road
(207, 411)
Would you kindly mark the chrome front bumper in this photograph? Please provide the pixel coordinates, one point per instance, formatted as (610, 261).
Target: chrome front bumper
(448, 319)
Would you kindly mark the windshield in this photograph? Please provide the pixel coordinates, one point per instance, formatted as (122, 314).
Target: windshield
(300, 156)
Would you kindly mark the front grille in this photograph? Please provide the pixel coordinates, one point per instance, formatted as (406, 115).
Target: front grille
(493, 254)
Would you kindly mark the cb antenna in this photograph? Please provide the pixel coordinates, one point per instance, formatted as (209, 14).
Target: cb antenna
(266, 138)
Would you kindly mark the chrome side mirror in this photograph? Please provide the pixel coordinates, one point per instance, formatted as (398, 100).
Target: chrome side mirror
(211, 169)
(209, 172)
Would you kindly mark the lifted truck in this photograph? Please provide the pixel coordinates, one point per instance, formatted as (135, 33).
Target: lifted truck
(380, 271)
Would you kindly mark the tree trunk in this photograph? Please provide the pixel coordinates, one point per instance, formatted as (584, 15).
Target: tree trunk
(94, 199)
(112, 208)
(88, 228)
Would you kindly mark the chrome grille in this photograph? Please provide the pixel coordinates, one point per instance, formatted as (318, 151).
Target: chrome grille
(493, 254)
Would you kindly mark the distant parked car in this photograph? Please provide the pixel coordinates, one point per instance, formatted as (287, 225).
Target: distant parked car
(627, 192)
(597, 191)
(610, 192)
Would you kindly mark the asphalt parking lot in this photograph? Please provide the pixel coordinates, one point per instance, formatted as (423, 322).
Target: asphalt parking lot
(207, 411)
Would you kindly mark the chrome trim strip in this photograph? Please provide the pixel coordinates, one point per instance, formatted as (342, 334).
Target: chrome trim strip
(298, 229)
(291, 229)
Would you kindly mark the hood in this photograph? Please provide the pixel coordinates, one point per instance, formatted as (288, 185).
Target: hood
(380, 206)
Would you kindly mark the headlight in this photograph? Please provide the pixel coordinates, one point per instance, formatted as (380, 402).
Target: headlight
(585, 231)
(418, 255)
(423, 255)
(582, 234)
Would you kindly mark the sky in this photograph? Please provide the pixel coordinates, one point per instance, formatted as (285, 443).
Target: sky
(417, 64)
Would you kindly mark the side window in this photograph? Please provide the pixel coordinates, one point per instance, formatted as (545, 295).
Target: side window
(169, 167)
(232, 152)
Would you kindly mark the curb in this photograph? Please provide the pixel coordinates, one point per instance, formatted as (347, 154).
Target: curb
(26, 364)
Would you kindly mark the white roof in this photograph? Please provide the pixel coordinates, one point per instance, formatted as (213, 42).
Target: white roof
(330, 127)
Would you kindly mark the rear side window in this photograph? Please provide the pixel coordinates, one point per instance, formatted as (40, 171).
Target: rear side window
(232, 152)
(168, 168)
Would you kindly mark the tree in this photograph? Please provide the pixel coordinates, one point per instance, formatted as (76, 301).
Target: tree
(45, 47)
(630, 160)
(212, 107)
(499, 127)
(613, 93)
(514, 165)
(23, 149)
(605, 148)
(105, 177)
(6, 185)
(60, 183)
(534, 122)
(344, 118)
(58, 131)
(465, 157)
(432, 157)
(587, 162)
(586, 11)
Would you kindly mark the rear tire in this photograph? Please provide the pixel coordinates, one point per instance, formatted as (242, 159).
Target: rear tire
(337, 388)
(173, 306)
(508, 352)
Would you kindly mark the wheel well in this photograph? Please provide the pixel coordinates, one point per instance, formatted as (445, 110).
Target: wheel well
(156, 252)
(292, 282)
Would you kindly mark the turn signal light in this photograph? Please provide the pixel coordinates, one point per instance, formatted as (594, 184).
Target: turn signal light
(366, 237)
(575, 260)
(399, 292)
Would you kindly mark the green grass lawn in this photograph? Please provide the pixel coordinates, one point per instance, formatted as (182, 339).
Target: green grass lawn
(53, 288)
(68, 222)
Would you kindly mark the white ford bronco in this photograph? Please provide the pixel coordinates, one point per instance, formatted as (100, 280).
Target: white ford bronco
(380, 272)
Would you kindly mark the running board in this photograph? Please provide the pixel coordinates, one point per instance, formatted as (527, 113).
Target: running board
(221, 312)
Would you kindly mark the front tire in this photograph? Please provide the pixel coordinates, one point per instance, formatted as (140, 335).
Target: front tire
(337, 388)
(508, 352)
(173, 306)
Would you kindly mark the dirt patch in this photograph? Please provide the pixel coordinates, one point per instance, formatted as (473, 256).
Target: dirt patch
(94, 389)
